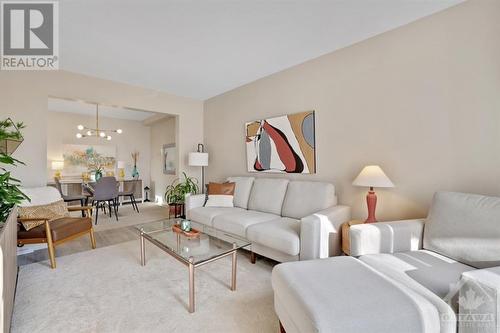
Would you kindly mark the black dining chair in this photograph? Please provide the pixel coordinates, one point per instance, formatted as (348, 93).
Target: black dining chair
(130, 193)
(105, 191)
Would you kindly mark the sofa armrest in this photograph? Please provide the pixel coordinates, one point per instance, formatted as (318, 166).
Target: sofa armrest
(320, 233)
(386, 237)
(479, 300)
(193, 201)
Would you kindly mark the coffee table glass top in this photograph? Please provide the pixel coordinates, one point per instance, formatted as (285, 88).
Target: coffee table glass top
(210, 243)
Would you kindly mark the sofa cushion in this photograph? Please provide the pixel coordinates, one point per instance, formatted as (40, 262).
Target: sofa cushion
(238, 222)
(205, 215)
(282, 234)
(242, 190)
(431, 270)
(304, 198)
(320, 295)
(465, 227)
(267, 195)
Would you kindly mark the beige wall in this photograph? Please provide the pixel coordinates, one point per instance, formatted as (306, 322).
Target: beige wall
(423, 101)
(162, 132)
(23, 96)
(61, 130)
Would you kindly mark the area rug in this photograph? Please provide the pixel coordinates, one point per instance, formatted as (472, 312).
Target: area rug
(148, 212)
(107, 290)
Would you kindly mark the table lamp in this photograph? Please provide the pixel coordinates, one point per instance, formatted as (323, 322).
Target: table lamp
(121, 169)
(57, 166)
(372, 176)
(199, 158)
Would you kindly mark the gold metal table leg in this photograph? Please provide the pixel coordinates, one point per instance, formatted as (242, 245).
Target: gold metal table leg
(143, 249)
(191, 284)
(233, 268)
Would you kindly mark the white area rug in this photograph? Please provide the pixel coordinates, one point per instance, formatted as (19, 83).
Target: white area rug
(148, 212)
(106, 290)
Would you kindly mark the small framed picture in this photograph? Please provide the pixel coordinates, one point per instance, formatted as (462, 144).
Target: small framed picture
(169, 158)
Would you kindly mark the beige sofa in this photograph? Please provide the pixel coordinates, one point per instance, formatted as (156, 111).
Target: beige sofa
(284, 220)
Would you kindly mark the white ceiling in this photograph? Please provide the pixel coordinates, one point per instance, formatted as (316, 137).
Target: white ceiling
(89, 109)
(202, 48)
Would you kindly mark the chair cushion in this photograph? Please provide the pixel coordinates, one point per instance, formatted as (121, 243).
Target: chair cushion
(267, 195)
(431, 270)
(205, 215)
(60, 228)
(282, 234)
(50, 211)
(241, 190)
(465, 227)
(237, 223)
(304, 198)
(320, 295)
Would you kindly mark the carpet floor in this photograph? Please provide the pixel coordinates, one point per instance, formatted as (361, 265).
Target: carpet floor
(127, 216)
(107, 290)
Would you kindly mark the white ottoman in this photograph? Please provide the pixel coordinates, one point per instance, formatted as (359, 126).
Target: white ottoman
(360, 300)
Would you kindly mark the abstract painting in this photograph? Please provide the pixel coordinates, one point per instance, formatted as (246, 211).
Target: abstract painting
(169, 159)
(83, 158)
(283, 144)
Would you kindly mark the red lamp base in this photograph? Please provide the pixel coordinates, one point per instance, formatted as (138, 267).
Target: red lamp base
(371, 202)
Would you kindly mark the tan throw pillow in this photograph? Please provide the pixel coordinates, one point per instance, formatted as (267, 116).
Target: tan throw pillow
(51, 211)
(224, 188)
(220, 195)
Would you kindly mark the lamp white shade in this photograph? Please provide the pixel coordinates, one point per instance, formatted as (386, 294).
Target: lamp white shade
(121, 165)
(198, 159)
(372, 176)
(57, 165)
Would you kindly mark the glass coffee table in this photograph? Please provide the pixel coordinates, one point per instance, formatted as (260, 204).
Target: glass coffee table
(209, 245)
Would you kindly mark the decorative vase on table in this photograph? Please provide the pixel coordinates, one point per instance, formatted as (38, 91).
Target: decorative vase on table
(98, 175)
(135, 173)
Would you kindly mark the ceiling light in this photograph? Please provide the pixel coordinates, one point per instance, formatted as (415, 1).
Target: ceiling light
(98, 132)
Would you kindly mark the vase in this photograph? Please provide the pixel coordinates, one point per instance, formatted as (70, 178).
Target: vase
(98, 175)
(135, 173)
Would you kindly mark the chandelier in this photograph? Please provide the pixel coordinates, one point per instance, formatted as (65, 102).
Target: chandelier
(96, 132)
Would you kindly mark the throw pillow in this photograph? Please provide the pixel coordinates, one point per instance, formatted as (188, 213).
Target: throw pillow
(220, 195)
(51, 211)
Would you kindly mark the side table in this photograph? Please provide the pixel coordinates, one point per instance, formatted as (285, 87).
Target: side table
(345, 235)
(176, 210)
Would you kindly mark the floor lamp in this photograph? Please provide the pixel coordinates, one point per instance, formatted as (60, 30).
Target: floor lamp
(199, 158)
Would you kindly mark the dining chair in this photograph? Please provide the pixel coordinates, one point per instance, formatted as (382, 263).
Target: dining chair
(105, 191)
(70, 198)
(130, 193)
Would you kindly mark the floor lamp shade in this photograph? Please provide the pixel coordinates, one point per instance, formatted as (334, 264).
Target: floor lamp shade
(198, 159)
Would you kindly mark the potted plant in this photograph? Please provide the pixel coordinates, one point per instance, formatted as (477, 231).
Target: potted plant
(177, 191)
(10, 194)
